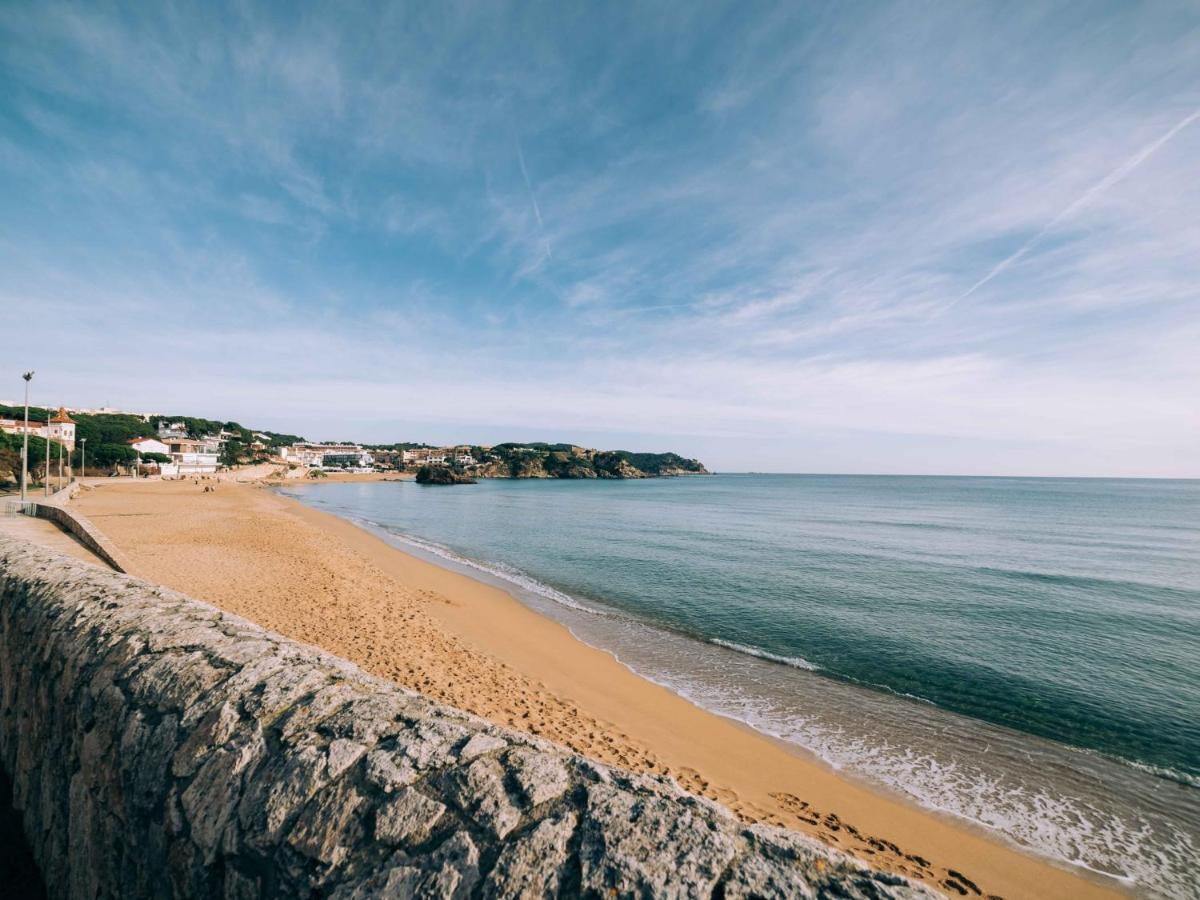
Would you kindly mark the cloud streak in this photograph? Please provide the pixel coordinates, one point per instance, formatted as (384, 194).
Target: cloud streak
(1096, 190)
(529, 185)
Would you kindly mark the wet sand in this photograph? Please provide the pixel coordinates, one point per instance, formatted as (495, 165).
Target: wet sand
(323, 580)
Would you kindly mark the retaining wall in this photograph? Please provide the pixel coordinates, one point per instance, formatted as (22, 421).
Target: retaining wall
(55, 509)
(160, 748)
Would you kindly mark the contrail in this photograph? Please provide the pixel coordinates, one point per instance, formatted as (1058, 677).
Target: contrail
(1090, 194)
(528, 185)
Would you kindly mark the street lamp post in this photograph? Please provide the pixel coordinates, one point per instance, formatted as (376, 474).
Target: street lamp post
(28, 376)
(83, 457)
(46, 476)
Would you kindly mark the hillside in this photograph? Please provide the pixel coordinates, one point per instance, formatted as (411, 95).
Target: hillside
(108, 434)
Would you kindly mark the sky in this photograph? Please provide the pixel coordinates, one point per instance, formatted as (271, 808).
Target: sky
(955, 238)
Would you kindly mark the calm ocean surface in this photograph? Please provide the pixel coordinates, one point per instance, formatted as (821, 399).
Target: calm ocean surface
(1024, 653)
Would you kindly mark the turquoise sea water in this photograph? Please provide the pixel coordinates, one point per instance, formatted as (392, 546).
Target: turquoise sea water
(1024, 653)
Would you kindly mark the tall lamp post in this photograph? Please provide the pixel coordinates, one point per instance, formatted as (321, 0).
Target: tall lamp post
(46, 476)
(83, 457)
(28, 376)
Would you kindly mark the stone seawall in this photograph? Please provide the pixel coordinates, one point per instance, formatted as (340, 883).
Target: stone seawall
(55, 509)
(160, 748)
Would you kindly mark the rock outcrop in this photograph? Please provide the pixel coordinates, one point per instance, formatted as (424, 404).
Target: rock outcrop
(158, 747)
(441, 475)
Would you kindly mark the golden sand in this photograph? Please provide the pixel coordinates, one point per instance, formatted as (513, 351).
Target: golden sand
(322, 580)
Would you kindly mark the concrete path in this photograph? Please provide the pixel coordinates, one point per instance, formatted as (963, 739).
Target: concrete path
(48, 535)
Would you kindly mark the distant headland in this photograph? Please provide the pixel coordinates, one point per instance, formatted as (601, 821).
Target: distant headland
(545, 461)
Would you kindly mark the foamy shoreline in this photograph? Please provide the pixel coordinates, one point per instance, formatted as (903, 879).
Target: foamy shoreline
(1073, 807)
(324, 580)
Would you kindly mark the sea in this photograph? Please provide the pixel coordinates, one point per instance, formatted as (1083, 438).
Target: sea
(1021, 653)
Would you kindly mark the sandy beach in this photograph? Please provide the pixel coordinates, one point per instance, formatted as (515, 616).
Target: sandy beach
(322, 580)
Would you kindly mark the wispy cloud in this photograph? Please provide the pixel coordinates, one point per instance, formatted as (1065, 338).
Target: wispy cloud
(730, 222)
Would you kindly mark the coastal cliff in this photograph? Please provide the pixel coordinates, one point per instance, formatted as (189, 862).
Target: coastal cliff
(159, 747)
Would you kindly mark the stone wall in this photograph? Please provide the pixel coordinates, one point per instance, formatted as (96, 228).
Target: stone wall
(55, 509)
(160, 748)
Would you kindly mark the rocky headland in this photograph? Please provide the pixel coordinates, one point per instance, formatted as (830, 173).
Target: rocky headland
(571, 461)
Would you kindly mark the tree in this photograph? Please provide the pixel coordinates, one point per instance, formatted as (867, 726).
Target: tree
(156, 457)
(10, 455)
(232, 452)
(108, 455)
(10, 460)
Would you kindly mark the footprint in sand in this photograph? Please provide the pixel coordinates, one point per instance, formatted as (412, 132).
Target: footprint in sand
(726, 796)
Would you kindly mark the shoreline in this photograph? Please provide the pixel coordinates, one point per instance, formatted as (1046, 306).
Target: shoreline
(497, 657)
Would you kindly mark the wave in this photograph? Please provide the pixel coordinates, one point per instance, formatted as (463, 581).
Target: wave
(496, 570)
(1165, 772)
(796, 662)
(799, 662)
(1064, 823)
(541, 589)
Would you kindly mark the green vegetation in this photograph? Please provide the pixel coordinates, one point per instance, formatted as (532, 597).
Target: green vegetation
(36, 413)
(539, 460)
(233, 452)
(658, 463)
(106, 428)
(105, 456)
(275, 439)
(10, 457)
(108, 436)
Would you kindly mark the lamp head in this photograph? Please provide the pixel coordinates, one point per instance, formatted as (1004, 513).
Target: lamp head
(28, 376)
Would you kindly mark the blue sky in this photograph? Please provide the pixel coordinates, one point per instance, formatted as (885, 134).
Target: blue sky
(946, 238)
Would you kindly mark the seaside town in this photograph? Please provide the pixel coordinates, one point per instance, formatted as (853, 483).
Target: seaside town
(151, 445)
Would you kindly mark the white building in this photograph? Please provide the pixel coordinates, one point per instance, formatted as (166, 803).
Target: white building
(150, 445)
(352, 459)
(426, 456)
(193, 457)
(314, 455)
(60, 428)
(172, 431)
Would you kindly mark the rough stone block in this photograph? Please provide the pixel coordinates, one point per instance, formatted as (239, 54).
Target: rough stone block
(160, 748)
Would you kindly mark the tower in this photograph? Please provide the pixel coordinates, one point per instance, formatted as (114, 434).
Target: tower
(62, 429)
